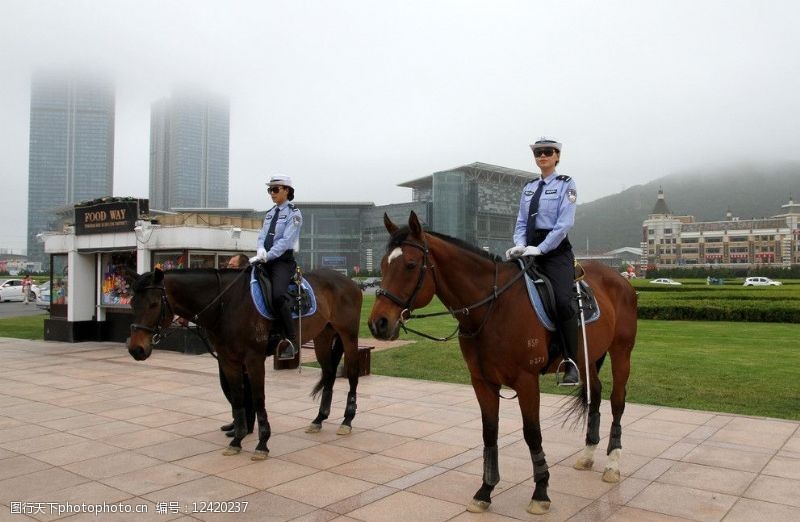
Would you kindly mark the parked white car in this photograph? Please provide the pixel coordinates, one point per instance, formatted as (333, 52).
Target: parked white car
(11, 290)
(43, 299)
(664, 281)
(761, 281)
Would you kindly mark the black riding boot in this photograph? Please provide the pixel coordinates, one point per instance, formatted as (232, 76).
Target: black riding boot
(569, 332)
(287, 348)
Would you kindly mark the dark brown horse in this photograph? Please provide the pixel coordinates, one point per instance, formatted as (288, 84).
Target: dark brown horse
(503, 342)
(219, 301)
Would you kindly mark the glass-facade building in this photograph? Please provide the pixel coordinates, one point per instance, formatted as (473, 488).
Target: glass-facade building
(71, 150)
(189, 147)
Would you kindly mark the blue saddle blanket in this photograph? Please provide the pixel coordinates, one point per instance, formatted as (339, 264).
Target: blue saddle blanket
(536, 301)
(258, 298)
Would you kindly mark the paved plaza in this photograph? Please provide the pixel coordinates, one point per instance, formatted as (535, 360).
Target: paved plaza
(86, 424)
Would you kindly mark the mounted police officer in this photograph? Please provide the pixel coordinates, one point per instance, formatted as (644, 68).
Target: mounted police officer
(546, 215)
(274, 260)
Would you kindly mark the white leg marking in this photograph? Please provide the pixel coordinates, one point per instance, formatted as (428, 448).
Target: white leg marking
(397, 252)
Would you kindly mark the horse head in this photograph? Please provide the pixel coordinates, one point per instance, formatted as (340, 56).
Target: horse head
(405, 284)
(151, 314)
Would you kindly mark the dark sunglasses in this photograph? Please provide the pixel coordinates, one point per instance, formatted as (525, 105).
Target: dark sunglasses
(274, 190)
(543, 152)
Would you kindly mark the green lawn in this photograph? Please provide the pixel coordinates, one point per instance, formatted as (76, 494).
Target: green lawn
(26, 327)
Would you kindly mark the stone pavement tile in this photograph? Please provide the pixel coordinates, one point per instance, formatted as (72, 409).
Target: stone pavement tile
(644, 445)
(5, 454)
(455, 486)
(18, 514)
(424, 451)
(708, 478)
(371, 441)
(678, 450)
(88, 449)
(408, 506)
(448, 417)
(411, 428)
(263, 505)
(792, 444)
(139, 439)
(370, 420)
(683, 416)
(775, 489)
(131, 412)
(8, 422)
(586, 484)
(694, 504)
(461, 459)
(43, 442)
(328, 433)
(72, 423)
(753, 434)
(782, 466)
(321, 489)
(701, 433)
(193, 406)
(597, 510)
(514, 503)
(630, 514)
(158, 420)
(378, 469)
(415, 478)
(139, 509)
(668, 428)
(747, 510)
(214, 462)
(457, 436)
(268, 473)
(20, 465)
(730, 458)
(512, 469)
(88, 492)
(192, 427)
(46, 481)
(623, 492)
(151, 479)
(23, 432)
(280, 445)
(292, 407)
(554, 451)
(109, 429)
(653, 469)
(287, 423)
(360, 500)
(200, 490)
(324, 456)
(103, 467)
(99, 406)
(402, 410)
(177, 449)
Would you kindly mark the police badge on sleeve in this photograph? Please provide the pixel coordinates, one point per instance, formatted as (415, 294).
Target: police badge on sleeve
(572, 195)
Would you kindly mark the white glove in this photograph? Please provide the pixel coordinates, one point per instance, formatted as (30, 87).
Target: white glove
(253, 259)
(261, 254)
(531, 251)
(514, 252)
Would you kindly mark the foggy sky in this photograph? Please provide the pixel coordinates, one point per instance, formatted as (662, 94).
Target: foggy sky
(351, 98)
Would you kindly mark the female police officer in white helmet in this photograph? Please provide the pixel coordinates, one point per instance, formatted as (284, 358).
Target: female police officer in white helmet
(279, 238)
(546, 214)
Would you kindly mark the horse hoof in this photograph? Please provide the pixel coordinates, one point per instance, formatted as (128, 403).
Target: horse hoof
(583, 464)
(260, 455)
(230, 450)
(344, 430)
(611, 475)
(314, 428)
(477, 506)
(539, 507)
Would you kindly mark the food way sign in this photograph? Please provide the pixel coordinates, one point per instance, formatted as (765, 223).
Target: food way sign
(114, 215)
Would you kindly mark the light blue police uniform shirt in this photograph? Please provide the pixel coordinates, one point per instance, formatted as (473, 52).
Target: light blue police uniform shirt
(287, 230)
(557, 205)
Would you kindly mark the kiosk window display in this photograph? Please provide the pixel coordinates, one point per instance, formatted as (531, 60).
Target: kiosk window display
(169, 260)
(59, 285)
(119, 273)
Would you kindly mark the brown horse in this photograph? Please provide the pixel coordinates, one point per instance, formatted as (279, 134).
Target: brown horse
(219, 301)
(503, 342)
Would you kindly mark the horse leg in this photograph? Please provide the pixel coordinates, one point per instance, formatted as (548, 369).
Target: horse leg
(255, 369)
(235, 375)
(527, 387)
(353, 362)
(620, 371)
(586, 460)
(488, 396)
(328, 359)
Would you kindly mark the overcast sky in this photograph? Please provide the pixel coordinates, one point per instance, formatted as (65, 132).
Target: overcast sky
(351, 98)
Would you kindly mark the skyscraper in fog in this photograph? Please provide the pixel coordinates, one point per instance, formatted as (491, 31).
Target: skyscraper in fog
(71, 153)
(189, 135)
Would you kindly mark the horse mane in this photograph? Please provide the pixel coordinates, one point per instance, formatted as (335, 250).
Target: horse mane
(401, 234)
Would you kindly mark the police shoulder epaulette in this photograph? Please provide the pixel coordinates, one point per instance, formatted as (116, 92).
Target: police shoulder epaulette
(563, 177)
(533, 180)
(292, 207)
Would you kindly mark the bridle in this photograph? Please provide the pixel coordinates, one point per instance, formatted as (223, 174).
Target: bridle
(407, 306)
(164, 312)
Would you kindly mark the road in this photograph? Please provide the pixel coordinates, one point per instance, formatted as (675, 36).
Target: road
(15, 309)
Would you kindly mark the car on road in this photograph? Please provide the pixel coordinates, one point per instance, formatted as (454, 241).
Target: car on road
(761, 281)
(43, 299)
(11, 290)
(664, 281)
(370, 282)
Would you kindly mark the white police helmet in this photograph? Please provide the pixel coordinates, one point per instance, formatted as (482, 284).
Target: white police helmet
(546, 143)
(280, 180)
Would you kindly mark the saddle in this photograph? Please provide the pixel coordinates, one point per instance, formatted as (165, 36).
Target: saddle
(540, 293)
(302, 298)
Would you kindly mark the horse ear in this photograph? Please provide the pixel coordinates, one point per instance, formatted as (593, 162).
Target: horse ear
(391, 227)
(158, 276)
(414, 224)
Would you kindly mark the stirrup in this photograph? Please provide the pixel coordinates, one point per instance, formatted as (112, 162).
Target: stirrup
(564, 362)
(284, 352)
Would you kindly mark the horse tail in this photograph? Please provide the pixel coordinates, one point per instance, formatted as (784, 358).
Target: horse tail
(337, 350)
(578, 407)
